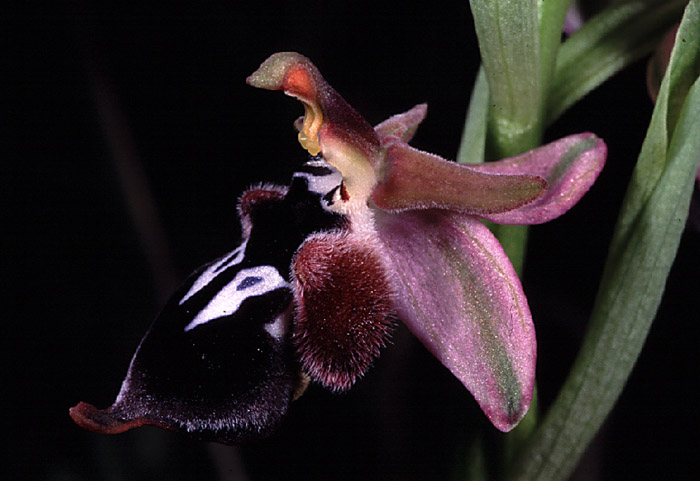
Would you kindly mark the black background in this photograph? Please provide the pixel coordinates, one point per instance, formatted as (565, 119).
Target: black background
(79, 288)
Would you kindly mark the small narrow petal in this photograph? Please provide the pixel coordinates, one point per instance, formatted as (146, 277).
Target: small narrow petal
(570, 166)
(413, 179)
(401, 127)
(458, 293)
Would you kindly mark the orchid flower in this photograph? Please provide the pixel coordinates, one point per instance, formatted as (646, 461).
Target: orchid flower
(370, 230)
(574, 18)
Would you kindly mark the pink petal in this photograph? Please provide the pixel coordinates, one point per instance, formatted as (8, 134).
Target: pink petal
(413, 179)
(458, 293)
(401, 127)
(570, 165)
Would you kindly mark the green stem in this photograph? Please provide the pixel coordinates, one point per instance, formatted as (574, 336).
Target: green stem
(513, 238)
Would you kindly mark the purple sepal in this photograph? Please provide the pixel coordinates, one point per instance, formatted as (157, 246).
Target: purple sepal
(459, 294)
(570, 166)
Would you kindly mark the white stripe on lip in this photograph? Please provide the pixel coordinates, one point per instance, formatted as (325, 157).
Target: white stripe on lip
(254, 281)
(212, 271)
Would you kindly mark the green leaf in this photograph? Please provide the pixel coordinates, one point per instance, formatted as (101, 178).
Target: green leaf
(518, 41)
(508, 33)
(473, 143)
(683, 70)
(551, 14)
(618, 36)
(642, 252)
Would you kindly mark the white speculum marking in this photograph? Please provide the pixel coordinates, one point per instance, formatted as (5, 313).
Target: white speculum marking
(251, 282)
(278, 328)
(231, 259)
(321, 184)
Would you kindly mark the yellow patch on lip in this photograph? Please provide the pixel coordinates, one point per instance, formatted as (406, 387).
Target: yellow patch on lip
(299, 83)
(308, 135)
